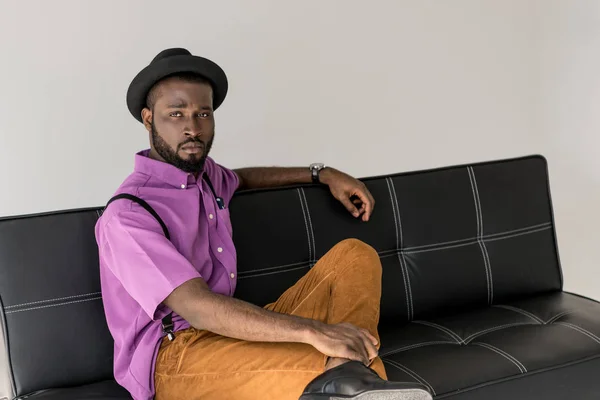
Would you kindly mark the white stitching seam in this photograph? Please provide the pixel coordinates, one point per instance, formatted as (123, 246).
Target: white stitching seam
(414, 346)
(580, 330)
(51, 300)
(472, 242)
(393, 252)
(518, 234)
(557, 316)
(410, 372)
(303, 263)
(306, 225)
(486, 260)
(312, 232)
(495, 328)
(481, 242)
(387, 180)
(306, 265)
(54, 305)
(452, 334)
(521, 311)
(408, 308)
(544, 225)
(503, 354)
(400, 253)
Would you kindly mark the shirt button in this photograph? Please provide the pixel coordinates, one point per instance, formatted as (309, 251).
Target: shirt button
(182, 186)
(232, 275)
(220, 249)
(211, 216)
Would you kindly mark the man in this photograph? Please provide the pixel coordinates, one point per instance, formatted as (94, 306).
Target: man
(168, 268)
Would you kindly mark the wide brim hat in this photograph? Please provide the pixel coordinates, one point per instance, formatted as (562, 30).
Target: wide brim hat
(171, 62)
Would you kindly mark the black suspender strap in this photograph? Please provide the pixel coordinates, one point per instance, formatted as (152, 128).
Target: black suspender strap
(167, 322)
(146, 206)
(219, 200)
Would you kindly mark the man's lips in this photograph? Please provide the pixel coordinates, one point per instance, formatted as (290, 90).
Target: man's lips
(192, 148)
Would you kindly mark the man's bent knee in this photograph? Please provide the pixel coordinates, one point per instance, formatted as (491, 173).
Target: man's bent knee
(356, 245)
(357, 248)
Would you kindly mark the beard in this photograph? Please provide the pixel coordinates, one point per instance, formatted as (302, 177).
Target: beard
(192, 165)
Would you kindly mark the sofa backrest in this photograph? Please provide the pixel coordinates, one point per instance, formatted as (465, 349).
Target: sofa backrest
(449, 239)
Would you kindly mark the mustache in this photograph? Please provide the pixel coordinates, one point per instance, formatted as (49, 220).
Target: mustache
(193, 141)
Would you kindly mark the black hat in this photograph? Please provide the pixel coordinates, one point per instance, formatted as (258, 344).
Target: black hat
(170, 62)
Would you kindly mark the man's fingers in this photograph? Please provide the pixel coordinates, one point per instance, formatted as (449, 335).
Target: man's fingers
(349, 206)
(363, 351)
(367, 204)
(372, 338)
(369, 346)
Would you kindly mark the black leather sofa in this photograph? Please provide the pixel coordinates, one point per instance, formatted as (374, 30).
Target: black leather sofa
(472, 301)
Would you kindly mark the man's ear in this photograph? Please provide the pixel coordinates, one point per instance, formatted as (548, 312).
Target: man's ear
(147, 118)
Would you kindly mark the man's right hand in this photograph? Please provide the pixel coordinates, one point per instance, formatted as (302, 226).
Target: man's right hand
(343, 341)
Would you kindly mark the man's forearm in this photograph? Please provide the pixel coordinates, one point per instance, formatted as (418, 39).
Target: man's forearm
(265, 177)
(238, 319)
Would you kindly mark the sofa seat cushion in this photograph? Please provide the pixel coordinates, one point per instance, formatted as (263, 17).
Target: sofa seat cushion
(461, 352)
(106, 390)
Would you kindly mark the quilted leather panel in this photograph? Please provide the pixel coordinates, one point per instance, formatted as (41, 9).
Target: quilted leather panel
(460, 351)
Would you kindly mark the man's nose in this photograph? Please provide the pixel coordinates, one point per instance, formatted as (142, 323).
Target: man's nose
(193, 128)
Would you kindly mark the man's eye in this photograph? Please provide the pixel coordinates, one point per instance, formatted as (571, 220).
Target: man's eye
(175, 114)
(203, 115)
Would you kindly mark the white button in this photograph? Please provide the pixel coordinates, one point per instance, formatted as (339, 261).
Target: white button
(220, 249)
(232, 275)
(211, 216)
(182, 186)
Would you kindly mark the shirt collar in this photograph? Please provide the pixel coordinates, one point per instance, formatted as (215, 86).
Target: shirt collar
(163, 171)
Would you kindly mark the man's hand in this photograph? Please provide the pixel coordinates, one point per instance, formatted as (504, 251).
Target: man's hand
(351, 192)
(343, 341)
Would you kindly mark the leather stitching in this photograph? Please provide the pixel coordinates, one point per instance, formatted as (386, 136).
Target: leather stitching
(483, 332)
(53, 305)
(51, 300)
(441, 328)
(484, 253)
(580, 330)
(473, 240)
(521, 311)
(557, 316)
(312, 232)
(310, 256)
(461, 243)
(410, 372)
(503, 354)
(514, 377)
(305, 265)
(401, 253)
(404, 277)
(414, 346)
(518, 234)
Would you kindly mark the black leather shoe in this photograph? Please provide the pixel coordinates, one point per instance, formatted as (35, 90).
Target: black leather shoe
(353, 380)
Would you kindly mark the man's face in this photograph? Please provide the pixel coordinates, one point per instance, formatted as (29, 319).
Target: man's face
(181, 123)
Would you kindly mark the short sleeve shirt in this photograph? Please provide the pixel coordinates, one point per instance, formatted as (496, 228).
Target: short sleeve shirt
(140, 267)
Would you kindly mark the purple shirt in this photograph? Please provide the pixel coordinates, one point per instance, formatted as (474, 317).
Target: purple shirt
(140, 267)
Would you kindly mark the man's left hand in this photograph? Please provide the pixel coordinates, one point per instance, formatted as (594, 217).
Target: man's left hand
(351, 192)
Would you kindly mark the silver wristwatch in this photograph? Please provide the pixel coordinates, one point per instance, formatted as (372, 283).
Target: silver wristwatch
(315, 168)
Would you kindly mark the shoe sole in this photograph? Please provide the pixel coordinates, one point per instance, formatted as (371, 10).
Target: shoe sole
(404, 394)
